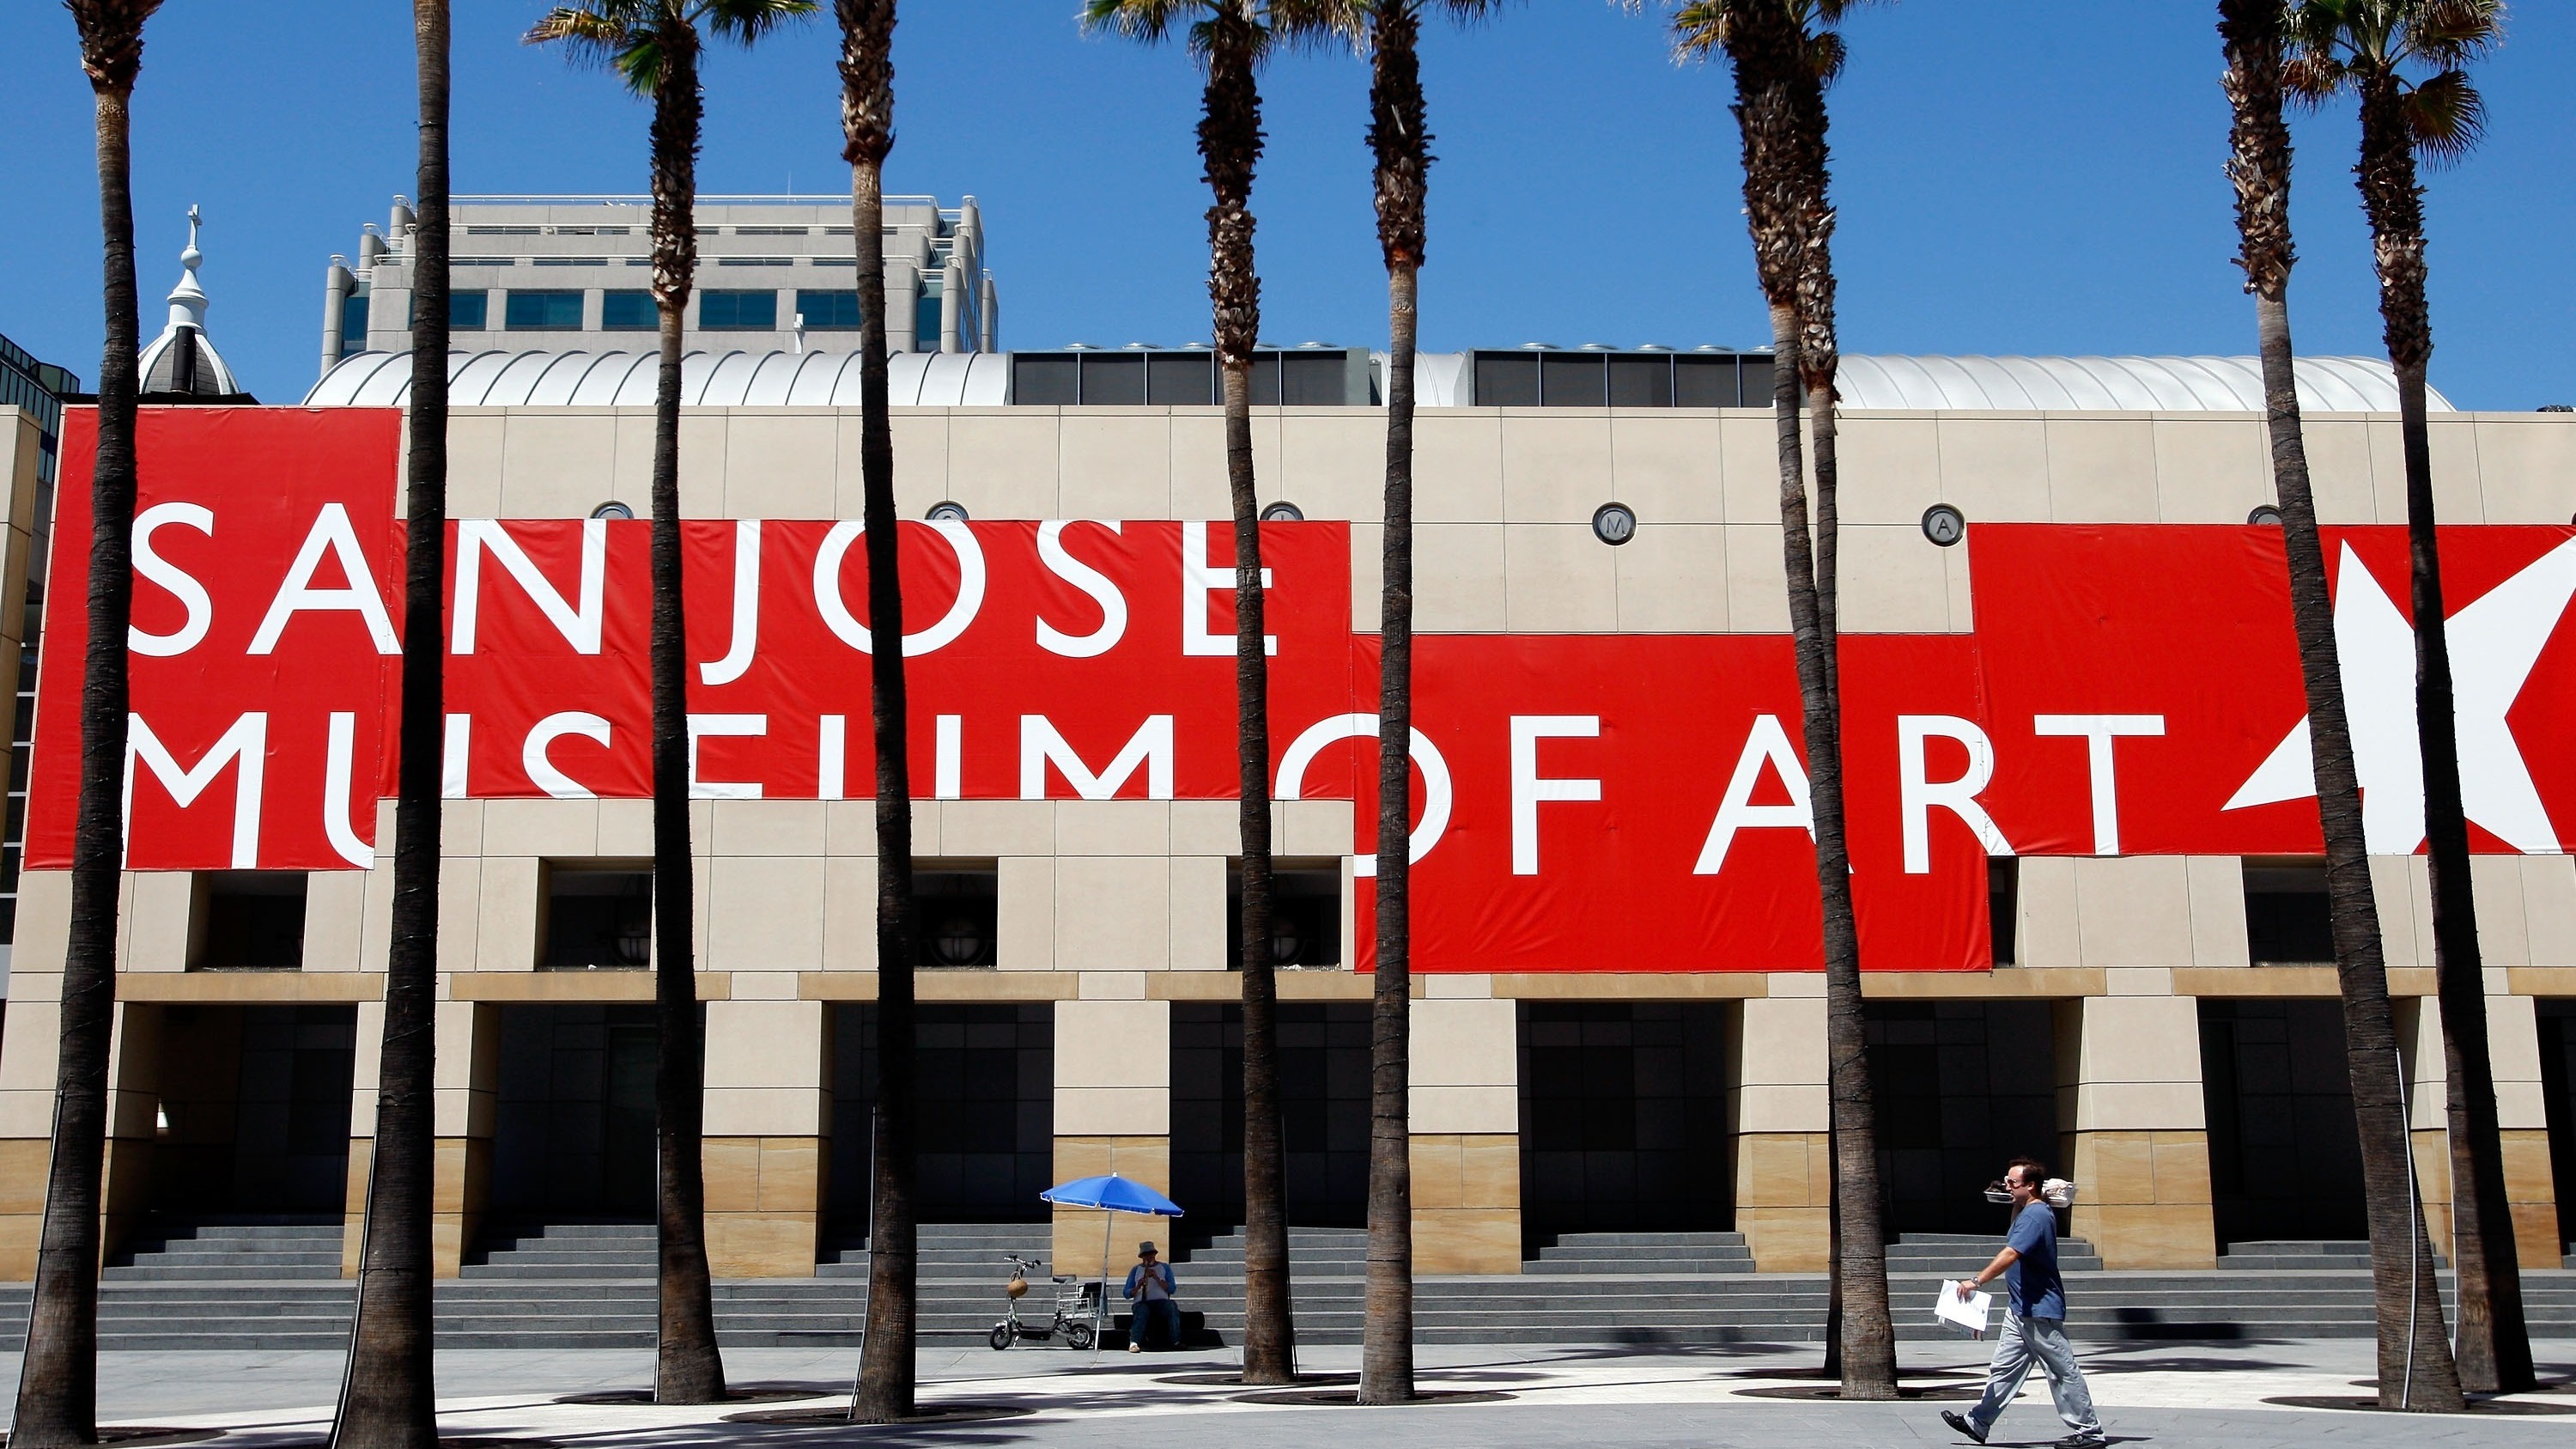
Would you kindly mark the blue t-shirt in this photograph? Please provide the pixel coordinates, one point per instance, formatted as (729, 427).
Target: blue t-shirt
(2037, 1291)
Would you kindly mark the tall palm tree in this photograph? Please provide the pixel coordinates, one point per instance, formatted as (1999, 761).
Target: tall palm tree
(654, 47)
(1784, 53)
(58, 1380)
(1229, 38)
(2368, 47)
(1390, 31)
(388, 1394)
(2416, 1373)
(886, 1381)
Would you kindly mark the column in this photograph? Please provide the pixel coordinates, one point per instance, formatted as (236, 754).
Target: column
(30, 1038)
(768, 1102)
(1780, 1116)
(2513, 1046)
(1113, 1113)
(468, 1093)
(1464, 1090)
(2135, 1124)
(133, 1116)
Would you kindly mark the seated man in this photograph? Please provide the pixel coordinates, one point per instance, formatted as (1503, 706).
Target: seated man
(1149, 1287)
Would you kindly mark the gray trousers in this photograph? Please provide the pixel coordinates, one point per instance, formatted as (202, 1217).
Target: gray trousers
(2026, 1342)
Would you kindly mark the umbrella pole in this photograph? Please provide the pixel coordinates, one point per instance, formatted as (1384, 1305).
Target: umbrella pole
(1108, 1234)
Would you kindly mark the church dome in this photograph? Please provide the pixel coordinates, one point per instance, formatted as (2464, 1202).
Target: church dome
(183, 359)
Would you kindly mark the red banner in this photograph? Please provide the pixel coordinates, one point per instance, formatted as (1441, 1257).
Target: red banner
(1584, 802)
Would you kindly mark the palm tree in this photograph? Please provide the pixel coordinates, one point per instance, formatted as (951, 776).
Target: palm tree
(886, 1382)
(1398, 136)
(58, 1381)
(2417, 1374)
(654, 46)
(1229, 38)
(388, 1396)
(1784, 53)
(2367, 47)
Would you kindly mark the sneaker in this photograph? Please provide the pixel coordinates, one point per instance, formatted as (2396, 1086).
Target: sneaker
(1964, 1425)
(1135, 1348)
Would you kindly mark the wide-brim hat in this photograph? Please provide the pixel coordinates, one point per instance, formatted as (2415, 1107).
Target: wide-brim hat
(1143, 1248)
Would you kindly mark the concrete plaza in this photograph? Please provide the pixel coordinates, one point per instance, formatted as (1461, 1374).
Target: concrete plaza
(2175, 1394)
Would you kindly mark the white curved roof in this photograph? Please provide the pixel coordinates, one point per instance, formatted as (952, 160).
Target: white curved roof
(707, 379)
(936, 379)
(2114, 384)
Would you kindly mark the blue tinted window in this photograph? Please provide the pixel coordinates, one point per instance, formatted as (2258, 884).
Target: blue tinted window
(829, 311)
(469, 311)
(353, 325)
(628, 311)
(925, 326)
(544, 311)
(729, 311)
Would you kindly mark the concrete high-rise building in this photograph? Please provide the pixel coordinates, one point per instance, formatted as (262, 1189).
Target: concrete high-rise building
(575, 272)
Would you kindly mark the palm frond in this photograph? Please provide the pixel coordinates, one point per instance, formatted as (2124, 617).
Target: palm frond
(2453, 33)
(2314, 76)
(1147, 21)
(613, 35)
(746, 22)
(2446, 117)
(1701, 28)
(1315, 25)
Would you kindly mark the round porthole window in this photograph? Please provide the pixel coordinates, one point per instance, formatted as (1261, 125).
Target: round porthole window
(946, 512)
(612, 509)
(1283, 511)
(2264, 514)
(1944, 525)
(1614, 523)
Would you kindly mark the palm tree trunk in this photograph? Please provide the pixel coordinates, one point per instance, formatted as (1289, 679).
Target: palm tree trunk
(2415, 1365)
(687, 1366)
(1386, 1351)
(58, 1378)
(1230, 144)
(2494, 1338)
(389, 1395)
(886, 1369)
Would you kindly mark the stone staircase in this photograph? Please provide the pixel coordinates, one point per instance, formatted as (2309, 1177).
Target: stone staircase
(273, 1284)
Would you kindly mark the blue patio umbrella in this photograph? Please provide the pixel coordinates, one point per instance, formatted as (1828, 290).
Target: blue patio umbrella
(1109, 1195)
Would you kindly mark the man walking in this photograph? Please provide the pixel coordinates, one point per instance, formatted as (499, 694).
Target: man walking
(1149, 1285)
(2035, 1327)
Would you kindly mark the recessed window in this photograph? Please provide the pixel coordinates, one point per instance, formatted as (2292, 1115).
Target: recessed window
(353, 324)
(597, 917)
(720, 310)
(2287, 922)
(828, 311)
(1305, 912)
(252, 920)
(544, 311)
(628, 310)
(2003, 906)
(467, 310)
(956, 914)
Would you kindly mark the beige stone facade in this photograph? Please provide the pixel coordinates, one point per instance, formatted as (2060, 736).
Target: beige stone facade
(1111, 913)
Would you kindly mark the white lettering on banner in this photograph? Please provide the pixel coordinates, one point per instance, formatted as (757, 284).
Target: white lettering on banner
(339, 763)
(1917, 796)
(746, 726)
(2097, 731)
(297, 595)
(453, 759)
(1528, 789)
(746, 607)
(1197, 582)
(1113, 605)
(1766, 744)
(246, 743)
(1438, 794)
(832, 758)
(844, 625)
(1040, 746)
(947, 757)
(541, 770)
(190, 593)
(580, 623)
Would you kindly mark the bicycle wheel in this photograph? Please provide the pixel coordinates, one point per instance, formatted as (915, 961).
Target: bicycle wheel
(1077, 1336)
(1000, 1337)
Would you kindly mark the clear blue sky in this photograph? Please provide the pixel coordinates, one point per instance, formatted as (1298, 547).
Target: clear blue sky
(2014, 176)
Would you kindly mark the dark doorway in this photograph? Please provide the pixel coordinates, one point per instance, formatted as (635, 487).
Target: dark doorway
(2284, 1154)
(1623, 1106)
(986, 1134)
(254, 1109)
(2558, 1085)
(1323, 1109)
(1961, 1087)
(573, 1134)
